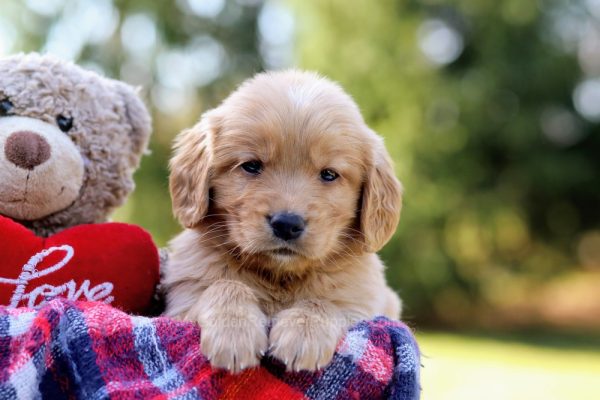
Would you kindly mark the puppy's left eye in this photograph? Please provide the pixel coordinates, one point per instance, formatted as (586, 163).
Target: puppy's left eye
(64, 123)
(254, 167)
(329, 175)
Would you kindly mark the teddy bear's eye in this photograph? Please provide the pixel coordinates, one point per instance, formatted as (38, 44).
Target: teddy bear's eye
(64, 123)
(6, 106)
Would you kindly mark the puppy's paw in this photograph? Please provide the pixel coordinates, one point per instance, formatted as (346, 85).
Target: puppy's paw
(234, 342)
(304, 340)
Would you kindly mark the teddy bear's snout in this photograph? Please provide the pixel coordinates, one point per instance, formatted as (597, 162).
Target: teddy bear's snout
(26, 149)
(41, 169)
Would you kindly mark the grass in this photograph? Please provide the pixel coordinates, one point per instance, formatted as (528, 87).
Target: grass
(469, 367)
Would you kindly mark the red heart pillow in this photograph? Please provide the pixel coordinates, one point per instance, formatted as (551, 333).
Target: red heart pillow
(113, 262)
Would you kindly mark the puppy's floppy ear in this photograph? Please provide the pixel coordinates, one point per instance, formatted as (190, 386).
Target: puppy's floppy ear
(190, 167)
(381, 200)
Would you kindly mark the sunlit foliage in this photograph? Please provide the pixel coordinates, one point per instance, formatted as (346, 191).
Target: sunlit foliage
(490, 109)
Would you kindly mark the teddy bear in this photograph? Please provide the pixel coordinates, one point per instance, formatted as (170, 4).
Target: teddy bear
(70, 141)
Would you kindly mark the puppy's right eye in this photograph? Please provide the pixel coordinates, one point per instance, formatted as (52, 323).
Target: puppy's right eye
(254, 167)
(329, 175)
(6, 106)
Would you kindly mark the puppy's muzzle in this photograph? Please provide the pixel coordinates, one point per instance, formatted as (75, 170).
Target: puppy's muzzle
(287, 226)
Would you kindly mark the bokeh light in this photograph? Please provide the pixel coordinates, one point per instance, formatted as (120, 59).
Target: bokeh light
(206, 8)
(586, 98)
(138, 34)
(561, 126)
(8, 35)
(82, 23)
(441, 43)
(276, 29)
(47, 8)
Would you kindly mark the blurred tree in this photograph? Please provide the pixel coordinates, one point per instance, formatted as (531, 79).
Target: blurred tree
(490, 109)
(482, 107)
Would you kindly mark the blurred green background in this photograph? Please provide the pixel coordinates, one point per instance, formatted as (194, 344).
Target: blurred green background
(490, 109)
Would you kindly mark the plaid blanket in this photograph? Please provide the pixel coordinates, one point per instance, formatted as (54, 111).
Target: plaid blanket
(93, 351)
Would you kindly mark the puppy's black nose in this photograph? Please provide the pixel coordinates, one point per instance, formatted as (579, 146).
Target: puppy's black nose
(287, 226)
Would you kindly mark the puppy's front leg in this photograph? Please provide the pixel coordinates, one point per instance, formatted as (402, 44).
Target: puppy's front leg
(233, 328)
(305, 336)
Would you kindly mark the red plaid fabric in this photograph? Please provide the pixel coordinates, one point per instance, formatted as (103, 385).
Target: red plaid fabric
(93, 351)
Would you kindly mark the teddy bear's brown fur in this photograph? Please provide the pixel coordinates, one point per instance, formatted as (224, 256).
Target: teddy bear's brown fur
(70, 141)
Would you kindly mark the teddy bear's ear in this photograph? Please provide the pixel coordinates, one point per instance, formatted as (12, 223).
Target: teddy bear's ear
(138, 119)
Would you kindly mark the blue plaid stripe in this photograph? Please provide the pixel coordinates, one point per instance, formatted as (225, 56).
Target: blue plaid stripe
(77, 347)
(163, 374)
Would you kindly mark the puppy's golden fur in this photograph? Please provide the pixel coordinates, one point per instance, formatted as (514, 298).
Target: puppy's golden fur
(250, 291)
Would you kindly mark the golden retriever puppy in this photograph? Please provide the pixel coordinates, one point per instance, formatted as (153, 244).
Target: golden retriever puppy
(286, 195)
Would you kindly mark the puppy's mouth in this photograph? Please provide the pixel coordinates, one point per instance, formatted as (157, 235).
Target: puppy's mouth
(283, 252)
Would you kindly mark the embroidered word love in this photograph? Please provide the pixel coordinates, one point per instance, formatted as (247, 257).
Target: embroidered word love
(46, 292)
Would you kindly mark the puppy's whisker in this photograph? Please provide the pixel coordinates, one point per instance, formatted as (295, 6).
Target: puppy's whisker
(353, 230)
(212, 236)
(350, 238)
(215, 229)
(217, 215)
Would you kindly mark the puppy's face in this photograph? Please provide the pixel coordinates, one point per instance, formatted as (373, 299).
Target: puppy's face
(288, 189)
(287, 173)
